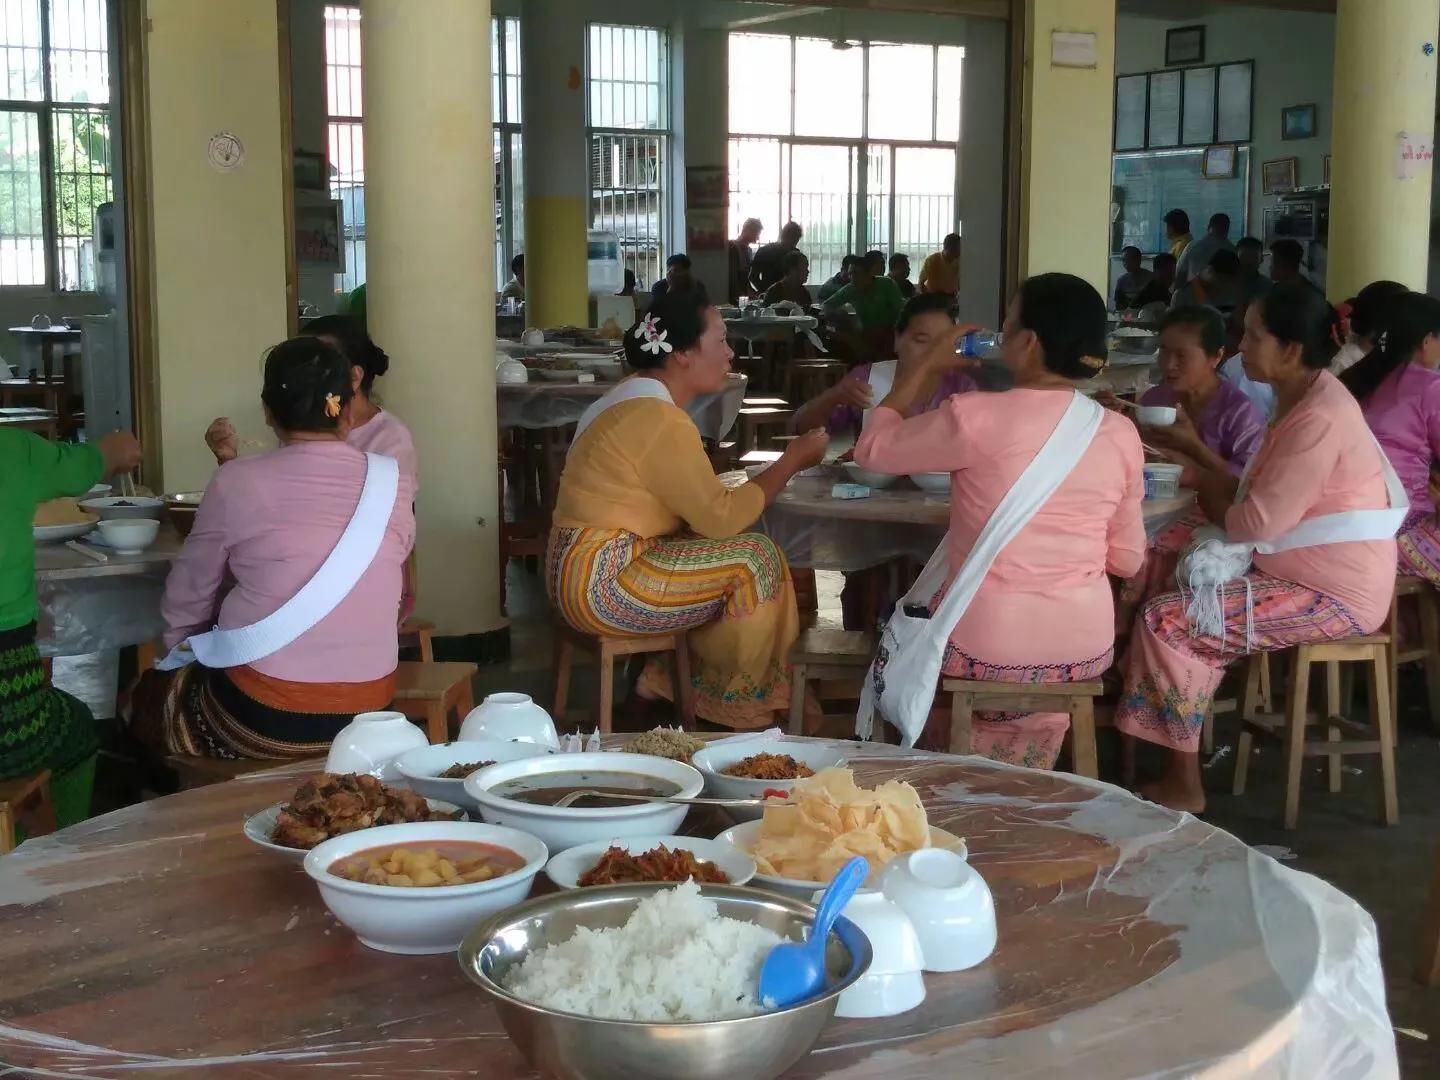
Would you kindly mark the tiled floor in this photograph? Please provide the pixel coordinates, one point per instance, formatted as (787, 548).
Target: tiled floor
(1386, 870)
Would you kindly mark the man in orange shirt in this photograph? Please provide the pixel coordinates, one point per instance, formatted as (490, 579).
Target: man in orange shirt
(940, 272)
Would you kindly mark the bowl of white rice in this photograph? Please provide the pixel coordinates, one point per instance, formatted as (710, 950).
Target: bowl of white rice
(654, 982)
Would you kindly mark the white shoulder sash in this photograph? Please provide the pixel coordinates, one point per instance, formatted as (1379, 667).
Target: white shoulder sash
(637, 386)
(341, 571)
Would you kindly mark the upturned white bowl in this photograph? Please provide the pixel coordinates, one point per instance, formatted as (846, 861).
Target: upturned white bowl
(714, 759)
(894, 982)
(567, 868)
(417, 920)
(371, 742)
(510, 717)
(420, 768)
(948, 904)
(574, 825)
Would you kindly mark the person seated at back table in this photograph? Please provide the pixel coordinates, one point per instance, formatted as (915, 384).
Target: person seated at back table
(515, 288)
(42, 727)
(1131, 284)
(940, 272)
(1251, 252)
(679, 277)
(877, 303)
(833, 284)
(1287, 256)
(266, 526)
(768, 265)
(900, 274)
(1198, 255)
(1218, 286)
(647, 540)
(792, 286)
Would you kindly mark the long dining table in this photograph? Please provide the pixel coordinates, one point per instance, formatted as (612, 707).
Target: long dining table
(1133, 941)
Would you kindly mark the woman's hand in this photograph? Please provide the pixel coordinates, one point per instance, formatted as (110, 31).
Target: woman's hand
(121, 453)
(852, 393)
(1181, 436)
(1109, 401)
(806, 451)
(220, 436)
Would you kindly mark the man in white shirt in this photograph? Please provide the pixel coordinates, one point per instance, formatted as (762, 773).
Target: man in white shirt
(1198, 255)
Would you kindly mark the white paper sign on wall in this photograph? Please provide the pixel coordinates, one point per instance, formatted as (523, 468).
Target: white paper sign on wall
(1073, 50)
(225, 151)
(1414, 154)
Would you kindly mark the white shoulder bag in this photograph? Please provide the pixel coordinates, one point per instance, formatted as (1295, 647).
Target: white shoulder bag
(338, 574)
(902, 679)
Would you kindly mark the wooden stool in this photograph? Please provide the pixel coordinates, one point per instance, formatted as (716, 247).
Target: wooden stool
(419, 634)
(1075, 698)
(607, 648)
(195, 772)
(25, 800)
(429, 691)
(1427, 600)
(1428, 971)
(825, 654)
(1372, 649)
(756, 421)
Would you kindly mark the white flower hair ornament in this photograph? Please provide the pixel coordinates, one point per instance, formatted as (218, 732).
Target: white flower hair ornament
(652, 337)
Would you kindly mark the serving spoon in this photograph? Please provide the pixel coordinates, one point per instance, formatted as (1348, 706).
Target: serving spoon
(795, 971)
(575, 796)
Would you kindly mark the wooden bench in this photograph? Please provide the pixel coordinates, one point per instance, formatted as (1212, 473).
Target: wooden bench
(429, 691)
(25, 800)
(1373, 650)
(607, 648)
(1075, 698)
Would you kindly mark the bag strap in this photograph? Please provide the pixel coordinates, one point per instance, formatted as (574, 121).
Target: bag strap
(341, 571)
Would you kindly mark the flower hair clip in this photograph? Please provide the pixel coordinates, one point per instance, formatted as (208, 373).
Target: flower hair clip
(332, 405)
(652, 338)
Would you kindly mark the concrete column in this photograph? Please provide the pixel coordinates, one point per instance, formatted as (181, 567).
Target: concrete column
(1065, 144)
(217, 230)
(1384, 86)
(982, 172)
(704, 137)
(557, 168)
(431, 231)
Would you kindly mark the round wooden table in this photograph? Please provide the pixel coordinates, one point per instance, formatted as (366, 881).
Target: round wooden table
(157, 941)
(818, 531)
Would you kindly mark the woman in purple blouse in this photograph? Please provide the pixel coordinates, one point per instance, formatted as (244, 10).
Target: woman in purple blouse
(1399, 392)
(1216, 425)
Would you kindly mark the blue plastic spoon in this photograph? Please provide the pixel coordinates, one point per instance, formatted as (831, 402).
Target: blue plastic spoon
(795, 971)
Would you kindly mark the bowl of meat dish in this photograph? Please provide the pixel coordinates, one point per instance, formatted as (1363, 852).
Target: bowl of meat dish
(755, 768)
(438, 771)
(125, 506)
(654, 982)
(636, 860)
(522, 795)
(421, 887)
(331, 804)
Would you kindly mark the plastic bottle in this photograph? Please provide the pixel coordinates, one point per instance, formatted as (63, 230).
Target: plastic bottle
(980, 344)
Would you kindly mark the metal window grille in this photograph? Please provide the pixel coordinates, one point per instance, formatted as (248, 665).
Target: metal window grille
(628, 103)
(55, 160)
(849, 194)
(505, 88)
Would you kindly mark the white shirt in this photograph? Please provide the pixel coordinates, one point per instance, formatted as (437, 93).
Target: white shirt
(1260, 394)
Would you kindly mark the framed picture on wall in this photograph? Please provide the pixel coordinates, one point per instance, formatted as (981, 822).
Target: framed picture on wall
(1298, 122)
(1185, 45)
(1278, 176)
(310, 171)
(1218, 162)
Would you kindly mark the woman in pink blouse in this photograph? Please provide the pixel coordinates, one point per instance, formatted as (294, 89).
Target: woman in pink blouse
(1044, 612)
(266, 525)
(1399, 392)
(1317, 459)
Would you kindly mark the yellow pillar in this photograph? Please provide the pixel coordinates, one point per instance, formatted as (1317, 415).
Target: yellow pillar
(1384, 93)
(1065, 142)
(430, 242)
(217, 227)
(557, 173)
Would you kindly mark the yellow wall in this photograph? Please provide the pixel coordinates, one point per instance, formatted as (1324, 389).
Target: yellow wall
(219, 237)
(1066, 140)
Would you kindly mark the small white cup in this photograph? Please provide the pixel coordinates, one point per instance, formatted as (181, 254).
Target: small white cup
(948, 904)
(894, 984)
(372, 742)
(1155, 415)
(510, 717)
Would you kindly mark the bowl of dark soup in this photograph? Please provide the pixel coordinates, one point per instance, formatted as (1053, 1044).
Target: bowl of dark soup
(522, 795)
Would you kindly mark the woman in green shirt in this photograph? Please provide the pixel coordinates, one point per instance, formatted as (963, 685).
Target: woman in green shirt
(41, 727)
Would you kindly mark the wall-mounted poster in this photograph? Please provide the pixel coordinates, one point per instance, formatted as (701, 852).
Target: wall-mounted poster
(705, 187)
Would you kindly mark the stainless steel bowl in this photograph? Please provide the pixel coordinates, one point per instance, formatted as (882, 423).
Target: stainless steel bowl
(574, 1047)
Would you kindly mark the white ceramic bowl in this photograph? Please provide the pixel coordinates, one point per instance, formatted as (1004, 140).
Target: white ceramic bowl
(743, 836)
(420, 768)
(421, 920)
(574, 825)
(510, 717)
(1155, 415)
(876, 480)
(129, 536)
(511, 371)
(894, 982)
(125, 506)
(372, 742)
(948, 904)
(714, 759)
(260, 828)
(566, 868)
(935, 483)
